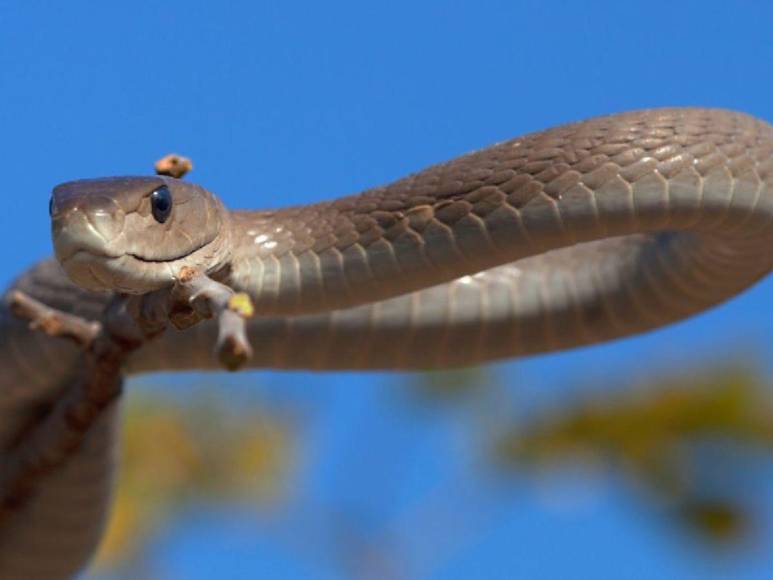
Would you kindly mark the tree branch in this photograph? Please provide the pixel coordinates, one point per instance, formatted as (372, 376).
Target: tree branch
(126, 324)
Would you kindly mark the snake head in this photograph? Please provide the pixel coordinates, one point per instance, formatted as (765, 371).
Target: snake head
(133, 234)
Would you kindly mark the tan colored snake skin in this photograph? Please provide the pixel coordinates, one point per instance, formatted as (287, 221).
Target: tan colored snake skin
(570, 236)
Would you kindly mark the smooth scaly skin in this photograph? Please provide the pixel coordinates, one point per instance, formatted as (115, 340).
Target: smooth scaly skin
(691, 189)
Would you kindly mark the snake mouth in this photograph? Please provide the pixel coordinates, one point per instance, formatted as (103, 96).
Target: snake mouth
(127, 273)
(81, 252)
(157, 260)
(168, 259)
(99, 268)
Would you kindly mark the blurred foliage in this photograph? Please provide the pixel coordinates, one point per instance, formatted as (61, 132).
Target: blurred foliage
(453, 385)
(177, 452)
(693, 448)
(692, 445)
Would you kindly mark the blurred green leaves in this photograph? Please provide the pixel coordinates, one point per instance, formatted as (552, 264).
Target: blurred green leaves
(177, 452)
(693, 449)
(692, 446)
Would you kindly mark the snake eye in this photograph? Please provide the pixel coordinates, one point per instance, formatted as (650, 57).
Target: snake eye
(51, 206)
(161, 203)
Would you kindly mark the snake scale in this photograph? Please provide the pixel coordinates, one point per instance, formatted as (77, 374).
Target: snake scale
(570, 236)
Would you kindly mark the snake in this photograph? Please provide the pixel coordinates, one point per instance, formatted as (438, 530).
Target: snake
(570, 236)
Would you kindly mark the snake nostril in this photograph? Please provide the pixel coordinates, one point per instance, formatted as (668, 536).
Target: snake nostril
(94, 232)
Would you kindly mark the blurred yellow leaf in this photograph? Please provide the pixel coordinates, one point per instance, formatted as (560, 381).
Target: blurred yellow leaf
(175, 451)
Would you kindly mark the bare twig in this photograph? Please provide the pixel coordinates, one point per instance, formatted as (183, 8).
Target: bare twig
(208, 299)
(174, 165)
(52, 322)
(196, 297)
(127, 323)
(60, 433)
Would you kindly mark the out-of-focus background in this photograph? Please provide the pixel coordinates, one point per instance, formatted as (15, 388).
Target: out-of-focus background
(647, 457)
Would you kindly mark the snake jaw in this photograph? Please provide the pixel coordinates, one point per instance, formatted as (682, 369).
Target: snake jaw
(130, 273)
(83, 269)
(124, 273)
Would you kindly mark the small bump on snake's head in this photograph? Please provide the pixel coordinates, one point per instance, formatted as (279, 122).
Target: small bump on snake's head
(133, 234)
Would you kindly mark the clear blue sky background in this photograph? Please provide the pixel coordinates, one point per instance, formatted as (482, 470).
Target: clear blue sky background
(292, 102)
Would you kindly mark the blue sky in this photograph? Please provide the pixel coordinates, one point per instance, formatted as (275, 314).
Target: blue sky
(291, 102)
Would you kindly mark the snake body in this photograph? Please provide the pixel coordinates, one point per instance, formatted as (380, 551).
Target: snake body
(570, 236)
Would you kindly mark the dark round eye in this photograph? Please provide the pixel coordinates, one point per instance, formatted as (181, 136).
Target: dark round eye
(161, 203)
(51, 206)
